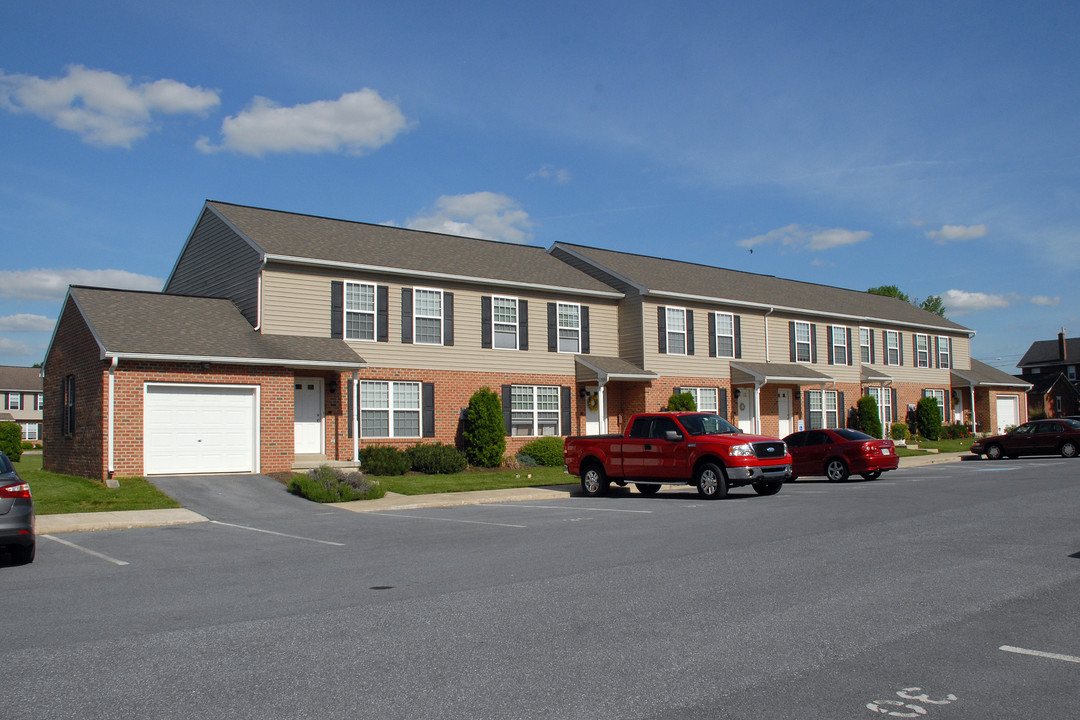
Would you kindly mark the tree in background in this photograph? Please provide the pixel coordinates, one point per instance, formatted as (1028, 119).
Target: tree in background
(933, 303)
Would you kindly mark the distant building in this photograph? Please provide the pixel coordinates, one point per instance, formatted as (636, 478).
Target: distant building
(1052, 367)
(22, 391)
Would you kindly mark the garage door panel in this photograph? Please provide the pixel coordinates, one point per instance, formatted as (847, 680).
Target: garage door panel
(199, 429)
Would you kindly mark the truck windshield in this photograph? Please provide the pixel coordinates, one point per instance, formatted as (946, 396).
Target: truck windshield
(707, 424)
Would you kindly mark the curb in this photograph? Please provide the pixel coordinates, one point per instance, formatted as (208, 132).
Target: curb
(121, 520)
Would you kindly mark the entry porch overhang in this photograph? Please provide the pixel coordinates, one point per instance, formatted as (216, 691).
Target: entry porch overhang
(604, 369)
(761, 374)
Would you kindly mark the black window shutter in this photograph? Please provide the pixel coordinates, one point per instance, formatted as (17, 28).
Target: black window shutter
(951, 363)
(689, 331)
(722, 403)
(829, 339)
(427, 402)
(337, 309)
(841, 415)
(712, 334)
(791, 338)
(900, 345)
(406, 315)
(523, 324)
(738, 336)
(553, 327)
(71, 411)
(895, 410)
(872, 358)
(566, 412)
(813, 343)
(383, 312)
(485, 321)
(506, 408)
(448, 318)
(661, 329)
(850, 359)
(932, 348)
(806, 411)
(585, 342)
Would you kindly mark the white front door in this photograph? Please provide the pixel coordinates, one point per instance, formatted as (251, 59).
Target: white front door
(783, 403)
(746, 409)
(308, 410)
(594, 405)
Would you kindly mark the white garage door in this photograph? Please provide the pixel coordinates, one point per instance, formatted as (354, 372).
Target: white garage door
(1008, 411)
(199, 429)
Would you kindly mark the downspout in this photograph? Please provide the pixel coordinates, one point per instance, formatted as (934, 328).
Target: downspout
(974, 424)
(258, 301)
(353, 415)
(112, 414)
(767, 333)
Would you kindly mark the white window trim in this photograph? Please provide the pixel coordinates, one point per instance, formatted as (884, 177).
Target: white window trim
(824, 397)
(938, 395)
(943, 353)
(839, 343)
(883, 397)
(374, 312)
(731, 317)
(15, 401)
(535, 411)
(865, 345)
(39, 402)
(892, 347)
(922, 355)
(809, 342)
(416, 316)
(559, 327)
(696, 392)
(390, 410)
(669, 312)
(517, 321)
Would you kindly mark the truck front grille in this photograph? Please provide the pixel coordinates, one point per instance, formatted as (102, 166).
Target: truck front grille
(774, 449)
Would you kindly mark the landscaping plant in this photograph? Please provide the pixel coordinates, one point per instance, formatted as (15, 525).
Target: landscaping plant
(547, 451)
(11, 440)
(485, 431)
(869, 420)
(928, 418)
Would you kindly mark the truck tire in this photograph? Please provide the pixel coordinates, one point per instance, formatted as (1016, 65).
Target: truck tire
(711, 481)
(646, 489)
(594, 480)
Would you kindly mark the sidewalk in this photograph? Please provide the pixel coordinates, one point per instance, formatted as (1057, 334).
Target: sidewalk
(86, 522)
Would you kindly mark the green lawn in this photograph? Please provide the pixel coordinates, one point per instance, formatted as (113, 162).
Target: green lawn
(54, 493)
(475, 480)
(945, 446)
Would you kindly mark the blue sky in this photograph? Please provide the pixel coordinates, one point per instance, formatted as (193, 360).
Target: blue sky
(930, 145)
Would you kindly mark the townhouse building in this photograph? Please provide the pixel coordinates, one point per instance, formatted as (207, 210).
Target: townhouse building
(282, 339)
(21, 388)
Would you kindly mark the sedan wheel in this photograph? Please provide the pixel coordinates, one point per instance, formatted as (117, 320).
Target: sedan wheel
(593, 480)
(711, 482)
(1068, 449)
(993, 452)
(836, 470)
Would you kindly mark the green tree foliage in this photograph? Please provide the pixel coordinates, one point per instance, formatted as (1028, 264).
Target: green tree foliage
(869, 417)
(681, 401)
(547, 451)
(890, 291)
(933, 303)
(484, 433)
(928, 418)
(11, 440)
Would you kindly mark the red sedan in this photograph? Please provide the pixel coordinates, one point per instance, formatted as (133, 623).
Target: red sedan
(837, 453)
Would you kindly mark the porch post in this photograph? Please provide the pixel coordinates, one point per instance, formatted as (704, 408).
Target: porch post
(354, 413)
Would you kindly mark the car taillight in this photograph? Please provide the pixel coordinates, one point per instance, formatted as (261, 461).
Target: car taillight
(869, 448)
(15, 491)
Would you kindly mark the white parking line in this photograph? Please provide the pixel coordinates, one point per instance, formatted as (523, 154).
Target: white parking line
(424, 517)
(1039, 653)
(70, 544)
(271, 532)
(574, 508)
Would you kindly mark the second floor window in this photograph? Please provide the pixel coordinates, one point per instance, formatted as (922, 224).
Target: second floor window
(892, 347)
(569, 318)
(922, 351)
(359, 311)
(428, 316)
(725, 336)
(944, 352)
(839, 345)
(865, 353)
(802, 342)
(39, 401)
(504, 322)
(14, 401)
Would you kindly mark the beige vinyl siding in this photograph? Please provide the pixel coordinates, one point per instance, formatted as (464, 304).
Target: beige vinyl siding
(752, 334)
(961, 349)
(218, 263)
(630, 330)
(297, 302)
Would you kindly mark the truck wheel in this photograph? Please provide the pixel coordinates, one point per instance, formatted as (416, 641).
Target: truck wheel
(836, 470)
(647, 489)
(594, 481)
(711, 481)
(768, 487)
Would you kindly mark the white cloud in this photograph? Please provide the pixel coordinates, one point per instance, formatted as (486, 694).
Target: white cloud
(106, 109)
(485, 215)
(799, 237)
(960, 302)
(355, 123)
(1045, 300)
(560, 176)
(44, 284)
(17, 349)
(957, 233)
(26, 323)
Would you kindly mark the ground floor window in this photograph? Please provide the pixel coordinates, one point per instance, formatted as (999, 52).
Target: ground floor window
(938, 395)
(534, 410)
(31, 431)
(883, 397)
(822, 410)
(389, 409)
(706, 399)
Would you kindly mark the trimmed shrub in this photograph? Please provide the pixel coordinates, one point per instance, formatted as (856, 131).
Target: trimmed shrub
(928, 418)
(521, 461)
(868, 419)
(955, 431)
(327, 485)
(383, 460)
(899, 431)
(436, 459)
(484, 433)
(546, 451)
(679, 402)
(11, 440)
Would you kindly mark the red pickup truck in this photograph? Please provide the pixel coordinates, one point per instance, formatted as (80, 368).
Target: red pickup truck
(668, 448)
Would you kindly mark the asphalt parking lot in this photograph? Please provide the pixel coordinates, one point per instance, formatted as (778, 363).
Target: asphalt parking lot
(941, 592)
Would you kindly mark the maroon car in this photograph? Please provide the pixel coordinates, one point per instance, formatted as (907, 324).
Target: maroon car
(837, 453)
(1038, 437)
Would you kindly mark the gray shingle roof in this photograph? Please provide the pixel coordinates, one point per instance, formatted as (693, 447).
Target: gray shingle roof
(131, 323)
(614, 367)
(1046, 352)
(340, 241)
(776, 372)
(982, 374)
(20, 378)
(659, 275)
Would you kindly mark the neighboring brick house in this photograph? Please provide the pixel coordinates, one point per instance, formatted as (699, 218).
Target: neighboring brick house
(22, 392)
(1052, 367)
(995, 395)
(283, 339)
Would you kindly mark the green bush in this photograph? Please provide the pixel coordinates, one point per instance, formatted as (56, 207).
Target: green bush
(484, 432)
(11, 440)
(327, 485)
(524, 460)
(384, 460)
(869, 419)
(546, 451)
(928, 418)
(436, 459)
(899, 431)
(955, 431)
(681, 401)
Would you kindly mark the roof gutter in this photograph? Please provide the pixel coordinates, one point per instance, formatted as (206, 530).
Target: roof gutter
(220, 359)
